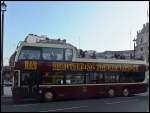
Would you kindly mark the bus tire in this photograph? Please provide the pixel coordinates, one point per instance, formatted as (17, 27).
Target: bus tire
(125, 92)
(48, 96)
(111, 92)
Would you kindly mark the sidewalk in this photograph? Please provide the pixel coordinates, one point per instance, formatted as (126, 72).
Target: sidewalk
(144, 94)
(5, 100)
(6, 96)
(7, 92)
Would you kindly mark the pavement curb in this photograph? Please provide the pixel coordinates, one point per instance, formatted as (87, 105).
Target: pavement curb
(143, 94)
(6, 96)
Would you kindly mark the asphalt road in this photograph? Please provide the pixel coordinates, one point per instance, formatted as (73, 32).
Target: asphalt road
(137, 103)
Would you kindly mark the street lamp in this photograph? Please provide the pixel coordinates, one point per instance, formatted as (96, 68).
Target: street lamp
(134, 47)
(3, 9)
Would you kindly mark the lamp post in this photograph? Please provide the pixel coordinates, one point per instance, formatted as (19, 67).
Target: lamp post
(134, 47)
(3, 9)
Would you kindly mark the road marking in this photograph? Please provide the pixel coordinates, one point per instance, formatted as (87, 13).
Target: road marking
(122, 101)
(61, 109)
(23, 105)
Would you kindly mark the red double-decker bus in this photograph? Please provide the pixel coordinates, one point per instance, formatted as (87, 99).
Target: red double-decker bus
(47, 70)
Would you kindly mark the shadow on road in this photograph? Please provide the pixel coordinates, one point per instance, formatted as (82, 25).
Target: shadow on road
(9, 101)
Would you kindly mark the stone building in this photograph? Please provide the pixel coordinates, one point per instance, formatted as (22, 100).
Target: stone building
(142, 43)
(141, 48)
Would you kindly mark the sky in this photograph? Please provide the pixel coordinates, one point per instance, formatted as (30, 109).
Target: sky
(88, 25)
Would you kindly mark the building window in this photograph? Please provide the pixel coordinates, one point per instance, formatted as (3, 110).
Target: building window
(141, 58)
(141, 49)
(141, 40)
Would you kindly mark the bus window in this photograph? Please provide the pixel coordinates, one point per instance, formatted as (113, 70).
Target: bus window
(68, 81)
(138, 76)
(53, 78)
(28, 53)
(93, 78)
(60, 81)
(131, 77)
(55, 54)
(68, 54)
(117, 77)
(24, 78)
(110, 77)
(123, 77)
(106, 77)
(47, 80)
(75, 78)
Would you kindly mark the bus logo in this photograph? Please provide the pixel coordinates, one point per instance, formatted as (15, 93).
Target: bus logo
(30, 65)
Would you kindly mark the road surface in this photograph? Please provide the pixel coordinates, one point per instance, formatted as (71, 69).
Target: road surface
(137, 103)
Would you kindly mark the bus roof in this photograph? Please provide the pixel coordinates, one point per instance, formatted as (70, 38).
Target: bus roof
(113, 61)
(47, 45)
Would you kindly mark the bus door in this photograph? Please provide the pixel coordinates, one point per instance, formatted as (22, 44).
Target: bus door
(16, 85)
(16, 79)
(30, 81)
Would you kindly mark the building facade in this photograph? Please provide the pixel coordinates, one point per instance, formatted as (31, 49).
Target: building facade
(142, 43)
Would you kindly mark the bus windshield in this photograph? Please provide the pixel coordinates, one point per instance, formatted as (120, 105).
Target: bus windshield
(29, 53)
(46, 53)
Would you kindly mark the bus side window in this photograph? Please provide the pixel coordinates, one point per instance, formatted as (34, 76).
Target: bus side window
(117, 78)
(60, 82)
(68, 54)
(68, 81)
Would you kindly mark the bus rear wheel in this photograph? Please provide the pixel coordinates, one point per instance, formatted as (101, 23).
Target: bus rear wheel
(48, 96)
(111, 92)
(125, 92)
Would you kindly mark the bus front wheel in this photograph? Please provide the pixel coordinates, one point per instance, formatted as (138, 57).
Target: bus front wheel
(125, 92)
(48, 96)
